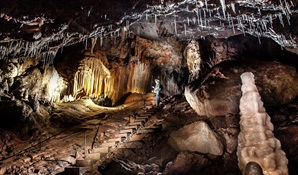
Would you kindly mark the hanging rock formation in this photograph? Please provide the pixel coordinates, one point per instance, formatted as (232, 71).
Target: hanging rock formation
(193, 57)
(256, 141)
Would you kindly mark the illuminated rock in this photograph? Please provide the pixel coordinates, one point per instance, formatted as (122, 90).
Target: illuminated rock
(94, 79)
(256, 141)
(55, 86)
(196, 137)
(193, 57)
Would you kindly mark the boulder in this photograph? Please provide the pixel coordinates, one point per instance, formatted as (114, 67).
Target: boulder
(185, 162)
(196, 137)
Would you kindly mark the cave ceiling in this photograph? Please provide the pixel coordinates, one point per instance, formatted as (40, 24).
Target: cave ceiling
(40, 27)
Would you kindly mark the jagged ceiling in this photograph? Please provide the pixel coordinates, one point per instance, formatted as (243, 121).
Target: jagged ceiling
(41, 27)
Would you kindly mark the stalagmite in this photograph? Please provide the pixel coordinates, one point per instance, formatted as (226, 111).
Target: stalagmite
(256, 141)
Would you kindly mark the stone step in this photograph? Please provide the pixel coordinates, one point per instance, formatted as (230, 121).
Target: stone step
(131, 127)
(121, 135)
(131, 145)
(137, 137)
(143, 117)
(108, 144)
(93, 156)
(117, 139)
(141, 120)
(136, 123)
(101, 150)
(126, 131)
(83, 163)
(145, 131)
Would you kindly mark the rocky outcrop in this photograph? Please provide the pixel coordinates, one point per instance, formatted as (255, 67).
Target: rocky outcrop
(196, 137)
(256, 141)
(219, 94)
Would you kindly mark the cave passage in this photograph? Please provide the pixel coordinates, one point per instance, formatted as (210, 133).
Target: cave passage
(77, 87)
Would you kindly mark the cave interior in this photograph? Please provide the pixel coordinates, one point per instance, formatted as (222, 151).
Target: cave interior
(77, 85)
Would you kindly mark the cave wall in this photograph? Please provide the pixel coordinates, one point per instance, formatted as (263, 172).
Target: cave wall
(124, 65)
(119, 67)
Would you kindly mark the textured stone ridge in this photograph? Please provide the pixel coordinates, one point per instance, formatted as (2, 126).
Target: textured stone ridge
(256, 141)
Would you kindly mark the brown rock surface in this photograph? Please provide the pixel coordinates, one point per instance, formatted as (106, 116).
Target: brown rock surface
(220, 93)
(196, 137)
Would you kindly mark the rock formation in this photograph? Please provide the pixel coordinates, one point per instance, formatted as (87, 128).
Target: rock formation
(219, 94)
(84, 69)
(256, 141)
(196, 137)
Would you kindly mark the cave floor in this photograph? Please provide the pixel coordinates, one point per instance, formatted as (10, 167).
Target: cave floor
(84, 132)
(88, 128)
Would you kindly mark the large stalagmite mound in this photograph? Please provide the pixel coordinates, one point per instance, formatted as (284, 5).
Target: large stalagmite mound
(256, 141)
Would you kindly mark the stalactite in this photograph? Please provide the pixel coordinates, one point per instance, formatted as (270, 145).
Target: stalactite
(280, 19)
(93, 43)
(138, 77)
(101, 41)
(205, 18)
(223, 6)
(123, 34)
(86, 43)
(175, 25)
(187, 21)
(233, 25)
(194, 20)
(201, 23)
(193, 57)
(91, 76)
(233, 7)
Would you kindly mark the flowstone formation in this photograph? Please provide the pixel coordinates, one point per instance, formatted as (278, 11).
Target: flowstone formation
(256, 141)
